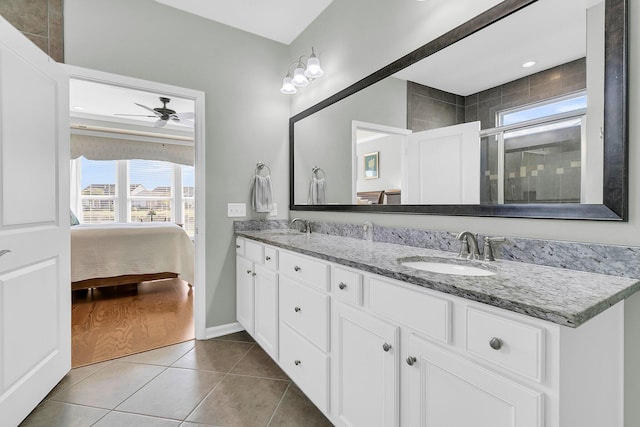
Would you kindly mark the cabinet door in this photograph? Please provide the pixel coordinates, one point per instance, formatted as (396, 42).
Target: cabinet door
(448, 390)
(245, 293)
(366, 367)
(266, 310)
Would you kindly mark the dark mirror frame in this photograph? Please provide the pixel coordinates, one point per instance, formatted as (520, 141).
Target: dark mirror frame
(616, 162)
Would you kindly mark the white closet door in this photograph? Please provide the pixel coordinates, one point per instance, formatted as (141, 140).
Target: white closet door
(35, 290)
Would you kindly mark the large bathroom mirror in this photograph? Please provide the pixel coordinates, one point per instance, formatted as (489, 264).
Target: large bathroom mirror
(519, 112)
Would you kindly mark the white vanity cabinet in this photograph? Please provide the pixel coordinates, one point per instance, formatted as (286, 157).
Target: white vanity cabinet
(373, 351)
(257, 280)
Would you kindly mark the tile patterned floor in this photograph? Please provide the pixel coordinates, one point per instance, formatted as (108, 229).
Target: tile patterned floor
(224, 382)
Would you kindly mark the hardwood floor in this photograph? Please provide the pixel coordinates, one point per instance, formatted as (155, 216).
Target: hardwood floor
(117, 321)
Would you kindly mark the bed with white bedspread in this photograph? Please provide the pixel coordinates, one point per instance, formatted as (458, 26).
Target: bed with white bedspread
(129, 253)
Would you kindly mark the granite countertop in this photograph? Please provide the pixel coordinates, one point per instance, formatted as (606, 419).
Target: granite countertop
(558, 295)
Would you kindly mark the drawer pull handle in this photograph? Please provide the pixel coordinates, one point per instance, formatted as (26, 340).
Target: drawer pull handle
(297, 309)
(342, 285)
(253, 274)
(249, 271)
(496, 343)
(296, 268)
(237, 246)
(386, 346)
(297, 362)
(411, 360)
(268, 258)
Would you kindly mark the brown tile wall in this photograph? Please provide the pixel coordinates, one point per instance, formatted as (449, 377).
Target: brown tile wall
(40, 20)
(429, 108)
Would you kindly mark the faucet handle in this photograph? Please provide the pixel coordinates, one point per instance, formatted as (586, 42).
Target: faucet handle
(488, 249)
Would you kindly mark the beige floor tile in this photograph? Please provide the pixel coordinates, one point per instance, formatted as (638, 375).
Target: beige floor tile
(119, 419)
(76, 375)
(214, 355)
(257, 363)
(172, 394)
(296, 410)
(164, 356)
(109, 386)
(240, 401)
(54, 414)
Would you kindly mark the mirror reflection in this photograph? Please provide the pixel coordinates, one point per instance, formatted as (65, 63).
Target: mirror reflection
(511, 114)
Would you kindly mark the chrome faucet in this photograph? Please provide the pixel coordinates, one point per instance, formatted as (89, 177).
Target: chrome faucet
(305, 222)
(469, 246)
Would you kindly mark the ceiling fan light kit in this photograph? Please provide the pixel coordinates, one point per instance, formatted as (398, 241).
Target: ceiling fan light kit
(303, 73)
(163, 114)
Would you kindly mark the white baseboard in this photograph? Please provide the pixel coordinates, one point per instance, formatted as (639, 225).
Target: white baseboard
(218, 331)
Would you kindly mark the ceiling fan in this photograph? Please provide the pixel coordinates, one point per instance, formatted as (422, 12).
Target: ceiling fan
(163, 113)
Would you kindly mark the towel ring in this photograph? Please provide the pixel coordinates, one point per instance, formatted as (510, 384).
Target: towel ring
(261, 166)
(315, 170)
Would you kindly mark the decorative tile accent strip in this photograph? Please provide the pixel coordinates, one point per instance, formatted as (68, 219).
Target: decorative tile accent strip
(613, 260)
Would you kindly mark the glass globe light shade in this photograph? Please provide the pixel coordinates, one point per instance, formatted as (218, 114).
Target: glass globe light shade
(313, 68)
(299, 79)
(287, 87)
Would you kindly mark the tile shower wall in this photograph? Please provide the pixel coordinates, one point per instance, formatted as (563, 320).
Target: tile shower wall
(429, 108)
(40, 21)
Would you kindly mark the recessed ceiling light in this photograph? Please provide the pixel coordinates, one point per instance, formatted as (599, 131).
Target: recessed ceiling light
(78, 107)
(529, 64)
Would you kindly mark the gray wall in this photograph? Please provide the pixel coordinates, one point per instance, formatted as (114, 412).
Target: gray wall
(246, 115)
(351, 47)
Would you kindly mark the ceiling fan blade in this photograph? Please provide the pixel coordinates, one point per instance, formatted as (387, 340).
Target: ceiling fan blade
(186, 116)
(148, 108)
(133, 115)
(159, 123)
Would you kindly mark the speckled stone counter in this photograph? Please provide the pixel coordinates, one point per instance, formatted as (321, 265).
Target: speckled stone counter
(558, 295)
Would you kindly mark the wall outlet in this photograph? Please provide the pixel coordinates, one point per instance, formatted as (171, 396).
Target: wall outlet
(236, 210)
(274, 211)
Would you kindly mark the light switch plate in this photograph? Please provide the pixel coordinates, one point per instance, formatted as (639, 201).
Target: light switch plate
(236, 210)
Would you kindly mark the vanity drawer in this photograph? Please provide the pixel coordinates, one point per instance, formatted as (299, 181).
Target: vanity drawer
(305, 310)
(240, 246)
(347, 285)
(309, 270)
(426, 314)
(516, 346)
(254, 251)
(307, 366)
(271, 257)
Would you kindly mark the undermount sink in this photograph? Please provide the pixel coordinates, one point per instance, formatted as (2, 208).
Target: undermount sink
(453, 267)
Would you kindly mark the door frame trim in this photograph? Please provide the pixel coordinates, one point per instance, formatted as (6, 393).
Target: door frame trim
(199, 297)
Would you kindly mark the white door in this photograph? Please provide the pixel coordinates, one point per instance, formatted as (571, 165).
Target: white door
(447, 390)
(365, 360)
(35, 289)
(245, 293)
(443, 166)
(266, 313)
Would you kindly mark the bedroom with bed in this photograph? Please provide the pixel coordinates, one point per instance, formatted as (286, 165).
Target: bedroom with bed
(132, 215)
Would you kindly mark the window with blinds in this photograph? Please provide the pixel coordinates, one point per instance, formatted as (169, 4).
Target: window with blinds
(98, 193)
(151, 195)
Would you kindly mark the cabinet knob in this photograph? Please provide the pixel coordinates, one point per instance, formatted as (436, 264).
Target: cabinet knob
(296, 268)
(386, 346)
(237, 246)
(268, 258)
(496, 343)
(249, 271)
(342, 285)
(297, 362)
(411, 360)
(4, 252)
(297, 309)
(253, 274)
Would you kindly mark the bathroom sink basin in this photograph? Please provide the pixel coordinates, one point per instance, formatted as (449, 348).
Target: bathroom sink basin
(453, 267)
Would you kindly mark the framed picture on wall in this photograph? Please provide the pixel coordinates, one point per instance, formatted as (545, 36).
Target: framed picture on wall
(371, 165)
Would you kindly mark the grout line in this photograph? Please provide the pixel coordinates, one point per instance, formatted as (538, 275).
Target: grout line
(279, 403)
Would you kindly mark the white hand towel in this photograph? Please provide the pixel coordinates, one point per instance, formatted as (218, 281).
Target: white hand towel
(262, 194)
(317, 193)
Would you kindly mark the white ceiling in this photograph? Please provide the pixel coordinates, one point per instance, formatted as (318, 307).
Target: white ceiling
(279, 20)
(549, 32)
(103, 102)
